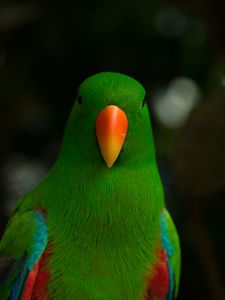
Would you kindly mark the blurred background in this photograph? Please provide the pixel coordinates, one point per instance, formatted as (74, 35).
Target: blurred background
(177, 50)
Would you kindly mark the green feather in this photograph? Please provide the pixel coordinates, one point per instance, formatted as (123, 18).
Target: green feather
(18, 243)
(103, 224)
(19, 235)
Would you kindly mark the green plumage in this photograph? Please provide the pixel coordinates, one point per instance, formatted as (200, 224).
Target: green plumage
(103, 224)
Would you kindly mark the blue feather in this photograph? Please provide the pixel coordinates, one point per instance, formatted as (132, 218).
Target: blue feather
(171, 286)
(16, 272)
(17, 289)
(169, 248)
(40, 240)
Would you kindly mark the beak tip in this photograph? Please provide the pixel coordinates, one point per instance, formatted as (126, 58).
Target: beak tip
(109, 163)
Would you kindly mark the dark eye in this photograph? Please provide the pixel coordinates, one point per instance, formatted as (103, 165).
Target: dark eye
(143, 103)
(79, 99)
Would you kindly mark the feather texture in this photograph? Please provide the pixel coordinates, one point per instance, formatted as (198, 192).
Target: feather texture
(171, 245)
(162, 281)
(15, 273)
(102, 224)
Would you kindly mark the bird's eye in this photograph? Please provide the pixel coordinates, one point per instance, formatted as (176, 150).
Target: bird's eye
(143, 103)
(79, 99)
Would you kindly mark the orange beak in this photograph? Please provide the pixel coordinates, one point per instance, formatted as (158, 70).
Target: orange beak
(111, 129)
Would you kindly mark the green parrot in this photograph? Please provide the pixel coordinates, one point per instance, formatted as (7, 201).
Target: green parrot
(96, 227)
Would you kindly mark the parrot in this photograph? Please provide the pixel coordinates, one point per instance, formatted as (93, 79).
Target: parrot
(96, 226)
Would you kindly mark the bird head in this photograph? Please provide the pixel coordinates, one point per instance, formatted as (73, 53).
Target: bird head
(109, 123)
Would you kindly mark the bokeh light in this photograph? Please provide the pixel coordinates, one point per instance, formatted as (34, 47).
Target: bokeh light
(19, 175)
(170, 22)
(173, 104)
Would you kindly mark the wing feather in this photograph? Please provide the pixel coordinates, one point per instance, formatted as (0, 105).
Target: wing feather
(21, 247)
(171, 245)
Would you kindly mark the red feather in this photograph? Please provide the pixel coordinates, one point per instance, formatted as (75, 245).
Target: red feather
(158, 282)
(36, 285)
(28, 290)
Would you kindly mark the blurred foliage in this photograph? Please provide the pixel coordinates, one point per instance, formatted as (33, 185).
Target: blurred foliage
(48, 47)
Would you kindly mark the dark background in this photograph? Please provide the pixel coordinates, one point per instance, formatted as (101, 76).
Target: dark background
(177, 50)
